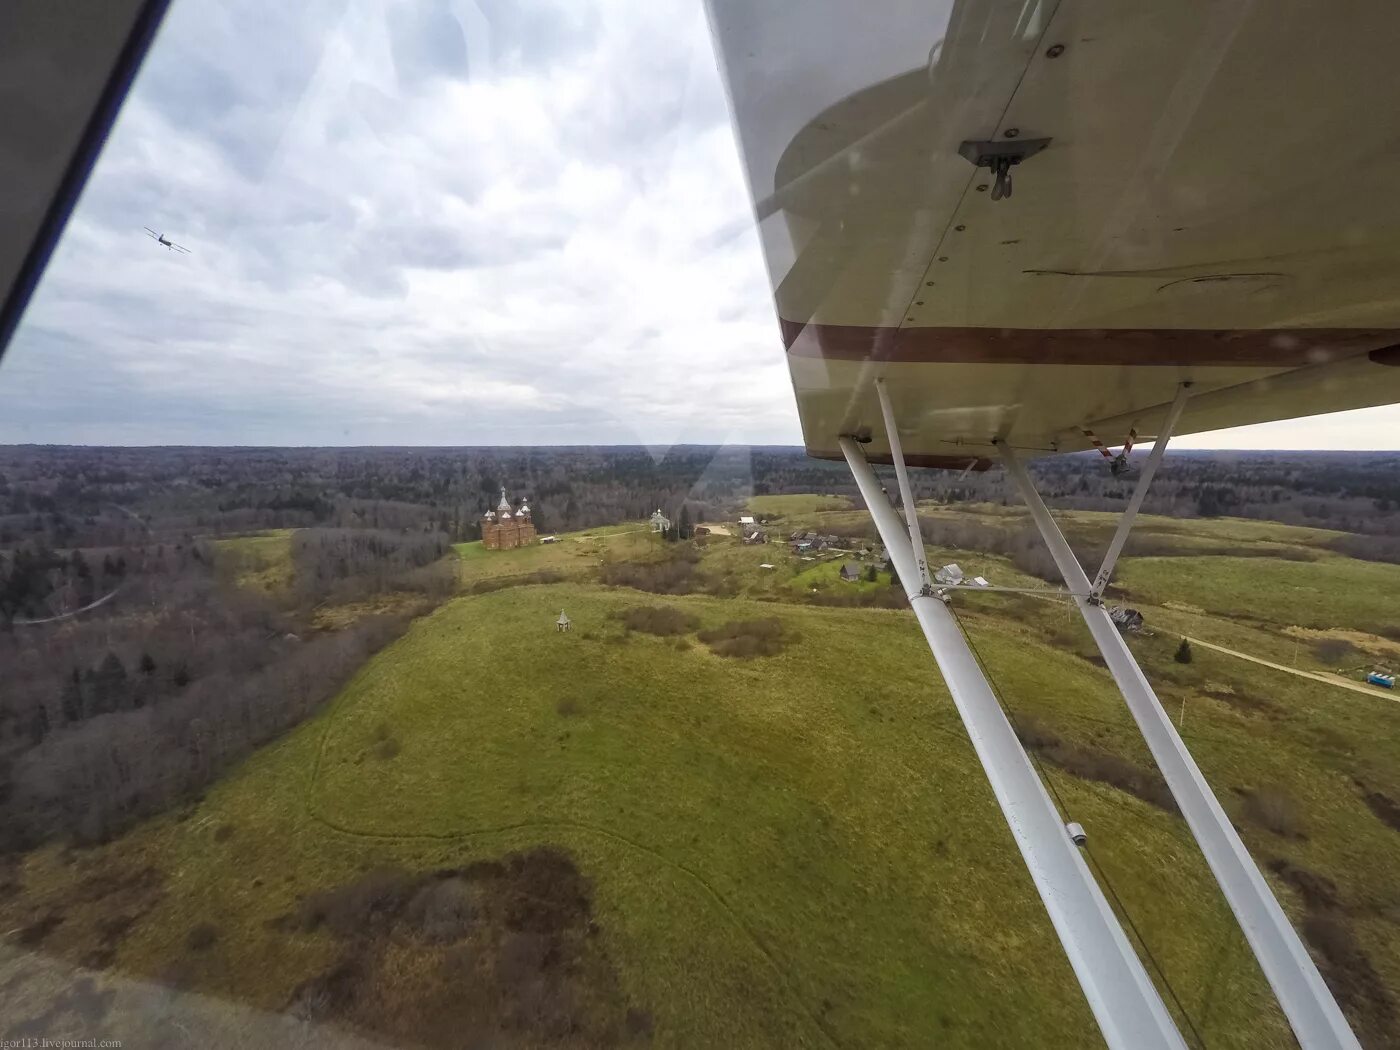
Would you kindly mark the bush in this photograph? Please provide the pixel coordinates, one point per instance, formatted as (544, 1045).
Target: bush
(357, 907)
(744, 639)
(1318, 891)
(1350, 973)
(1386, 809)
(387, 748)
(32, 935)
(1333, 651)
(521, 957)
(348, 564)
(1183, 652)
(1328, 932)
(1368, 548)
(500, 583)
(442, 911)
(639, 1023)
(1036, 735)
(1089, 763)
(675, 575)
(891, 597)
(1275, 810)
(657, 619)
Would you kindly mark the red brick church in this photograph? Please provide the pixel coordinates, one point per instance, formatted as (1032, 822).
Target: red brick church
(502, 530)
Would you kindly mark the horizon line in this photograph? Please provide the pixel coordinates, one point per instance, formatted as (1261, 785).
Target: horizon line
(646, 446)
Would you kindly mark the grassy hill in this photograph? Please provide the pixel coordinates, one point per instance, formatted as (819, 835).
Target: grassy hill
(795, 849)
(796, 504)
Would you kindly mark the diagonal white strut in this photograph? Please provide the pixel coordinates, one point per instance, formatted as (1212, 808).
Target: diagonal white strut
(1129, 1011)
(1154, 459)
(1317, 1021)
(906, 491)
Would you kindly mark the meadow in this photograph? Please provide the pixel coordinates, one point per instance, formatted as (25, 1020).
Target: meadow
(797, 848)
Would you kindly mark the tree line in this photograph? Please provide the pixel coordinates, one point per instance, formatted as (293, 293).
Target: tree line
(120, 711)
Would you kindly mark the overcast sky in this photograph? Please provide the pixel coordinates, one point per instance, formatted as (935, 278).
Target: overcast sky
(442, 222)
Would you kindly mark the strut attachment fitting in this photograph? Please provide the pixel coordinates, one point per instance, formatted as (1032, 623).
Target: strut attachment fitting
(1000, 156)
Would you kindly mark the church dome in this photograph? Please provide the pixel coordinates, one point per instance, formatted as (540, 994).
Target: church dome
(490, 515)
(524, 511)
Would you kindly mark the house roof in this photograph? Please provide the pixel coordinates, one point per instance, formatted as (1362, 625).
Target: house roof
(950, 573)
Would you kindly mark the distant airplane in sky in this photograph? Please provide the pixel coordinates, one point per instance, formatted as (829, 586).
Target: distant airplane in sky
(160, 238)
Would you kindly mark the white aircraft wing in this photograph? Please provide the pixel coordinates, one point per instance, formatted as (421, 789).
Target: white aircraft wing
(1216, 205)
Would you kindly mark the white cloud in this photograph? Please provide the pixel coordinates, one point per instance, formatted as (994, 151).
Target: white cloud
(438, 222)
(390, 248)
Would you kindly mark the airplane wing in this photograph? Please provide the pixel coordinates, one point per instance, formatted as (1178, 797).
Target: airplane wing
(1202, 234)
(180, 248)
(72, 63)
(1196, 216)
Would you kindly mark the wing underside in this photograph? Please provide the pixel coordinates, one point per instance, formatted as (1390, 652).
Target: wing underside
(1195, 217)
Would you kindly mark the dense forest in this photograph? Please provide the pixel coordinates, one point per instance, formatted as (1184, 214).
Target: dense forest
(106, 497)
(136, 671)
(1349, 491)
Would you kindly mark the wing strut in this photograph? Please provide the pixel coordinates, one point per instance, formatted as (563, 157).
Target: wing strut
(1129, 1011)
(1154, 459)
(906, 492)
(1316, 1019)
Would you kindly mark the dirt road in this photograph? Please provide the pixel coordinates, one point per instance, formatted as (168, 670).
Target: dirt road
(1317, 676)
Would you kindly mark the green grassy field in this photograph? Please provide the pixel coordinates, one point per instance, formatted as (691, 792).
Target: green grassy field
(826, 576)
(263, 560)
(575, 553)
(801, 503)
(1341, 592)
(1097, 525)
(798, 849)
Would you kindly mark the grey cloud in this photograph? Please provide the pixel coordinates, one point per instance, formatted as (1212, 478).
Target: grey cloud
(234, 74)
(427, 40)
(529, 35)
(390, 245)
